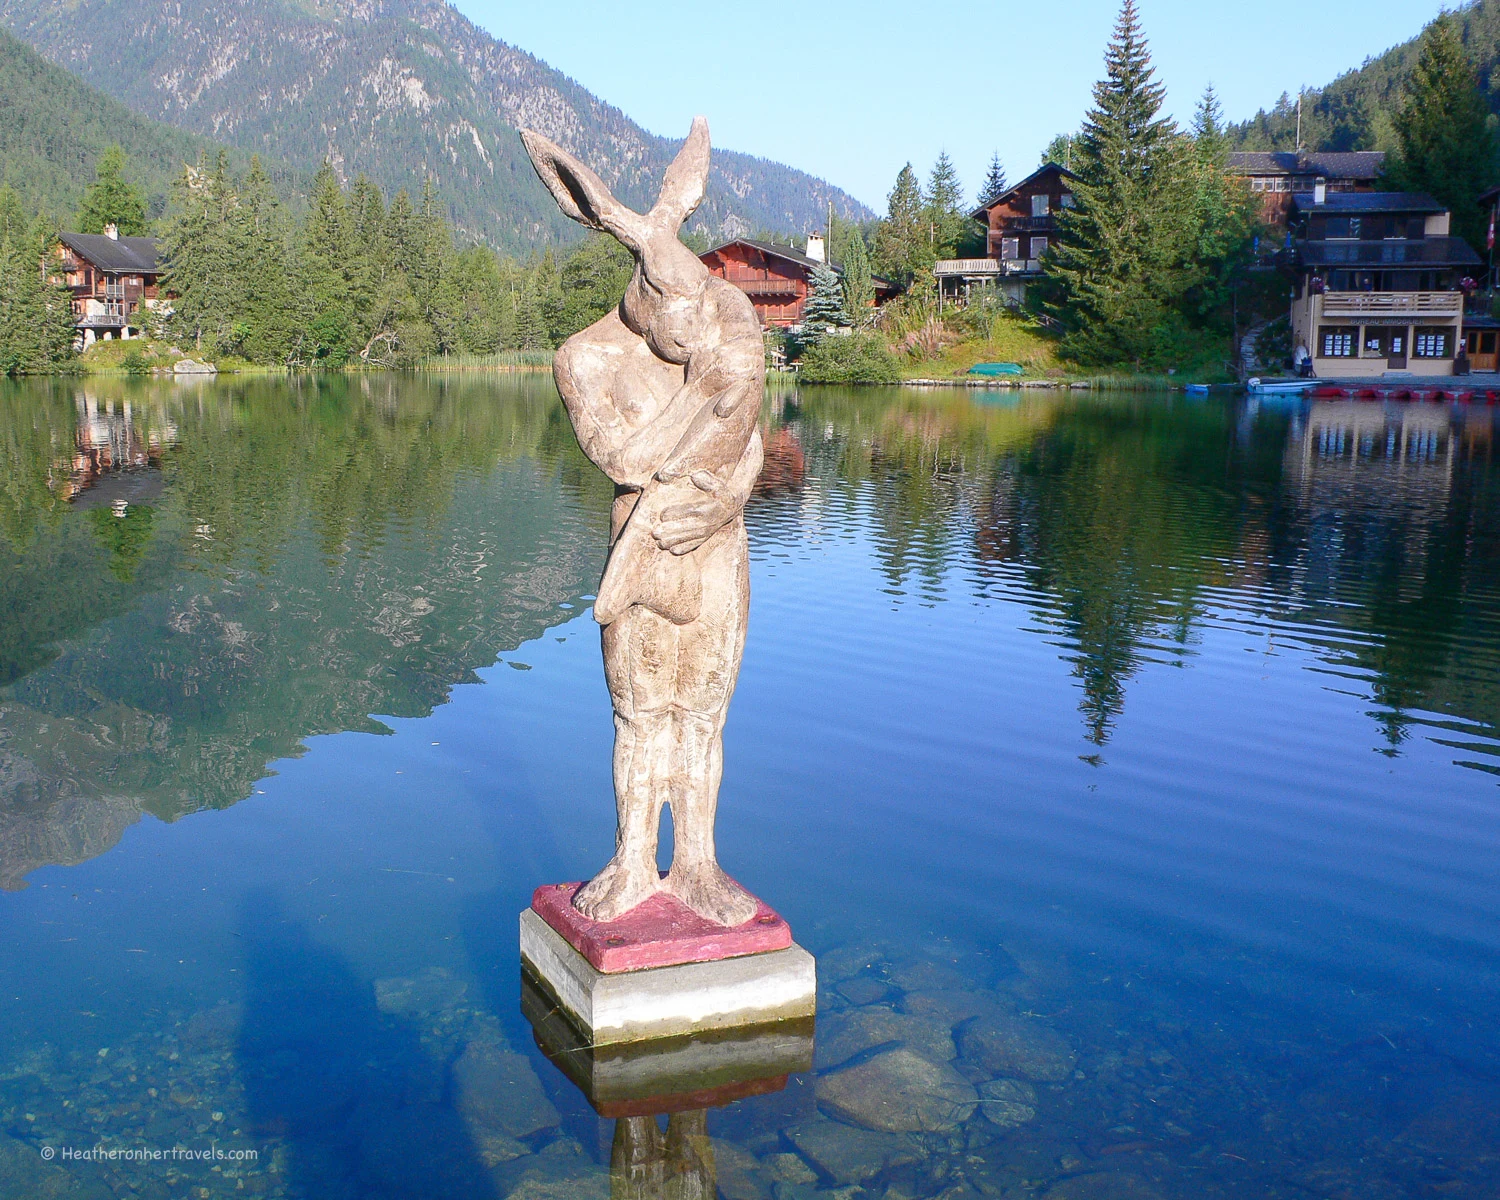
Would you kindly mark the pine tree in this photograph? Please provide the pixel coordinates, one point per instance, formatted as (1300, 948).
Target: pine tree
(13, 223)
(266, 303)
(327, 263)
(36, 312)
(858, 288)
(994, 185)
(824, 307)
(903, 250)
(1444, 144)
(1209, 138)
(110, 200)
(947, 224)
(1119, 266)
(204, 258)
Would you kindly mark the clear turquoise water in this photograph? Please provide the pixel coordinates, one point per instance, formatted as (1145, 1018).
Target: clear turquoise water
(1161, 733)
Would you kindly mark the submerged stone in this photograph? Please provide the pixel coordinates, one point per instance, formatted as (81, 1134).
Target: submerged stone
(430, 990)
(899, 1091)
(845, 1035)
(863, 990)
(738, 1172)
(1103, 1185)
(1007, 1102)
(496, 1089)
(953, 1007)
(848, 1155)
(1004, 1045)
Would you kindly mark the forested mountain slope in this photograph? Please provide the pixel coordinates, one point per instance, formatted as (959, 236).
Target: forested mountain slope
(398, 89)
(55, 127)
(1354, 111)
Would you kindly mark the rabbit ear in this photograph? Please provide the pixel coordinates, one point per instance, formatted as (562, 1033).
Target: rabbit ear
(682, 188)
(580, 193)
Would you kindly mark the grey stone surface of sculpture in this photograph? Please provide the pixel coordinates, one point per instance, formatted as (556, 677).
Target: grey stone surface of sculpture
(664, 394)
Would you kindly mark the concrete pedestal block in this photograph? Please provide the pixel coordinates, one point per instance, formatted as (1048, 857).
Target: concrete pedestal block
(668, 1001)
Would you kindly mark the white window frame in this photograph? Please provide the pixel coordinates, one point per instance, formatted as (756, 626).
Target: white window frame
(1010, 249)
(1041, 205)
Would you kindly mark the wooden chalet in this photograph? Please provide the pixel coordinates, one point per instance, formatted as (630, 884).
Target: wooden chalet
(776, 278)
(1019, 226)
(1277, 176)
(113, 279)
(1378, 283)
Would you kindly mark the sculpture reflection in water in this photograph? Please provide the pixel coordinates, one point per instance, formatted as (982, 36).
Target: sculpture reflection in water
(680, 1078)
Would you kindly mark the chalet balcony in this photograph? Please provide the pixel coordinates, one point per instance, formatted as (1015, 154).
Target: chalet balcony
(766, 287)
(1394, 304)
(1029, 224)
(981, 268)
(111, 314)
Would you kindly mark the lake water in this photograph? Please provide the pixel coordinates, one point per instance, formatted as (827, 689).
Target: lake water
(1129, 762)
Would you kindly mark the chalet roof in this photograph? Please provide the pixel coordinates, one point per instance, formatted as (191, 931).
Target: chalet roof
(979, 213)
(1331, 164)
(136, 254)
(1355, 203)
(1426, 252)
(789, 254)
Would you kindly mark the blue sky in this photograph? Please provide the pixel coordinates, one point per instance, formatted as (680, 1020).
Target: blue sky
(852, 91)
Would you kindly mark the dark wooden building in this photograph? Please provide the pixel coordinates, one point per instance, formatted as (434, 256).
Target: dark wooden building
(114, 281)
(776, 278)
(1277, 176)
(1019, 226)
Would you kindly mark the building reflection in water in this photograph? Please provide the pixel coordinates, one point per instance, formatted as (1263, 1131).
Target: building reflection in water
(635, 1085)
(114, 436)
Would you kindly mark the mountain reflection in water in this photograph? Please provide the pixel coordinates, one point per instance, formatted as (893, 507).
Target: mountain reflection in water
(1127, 759)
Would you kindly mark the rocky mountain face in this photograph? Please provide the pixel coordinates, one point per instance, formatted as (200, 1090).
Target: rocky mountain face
(398, 89)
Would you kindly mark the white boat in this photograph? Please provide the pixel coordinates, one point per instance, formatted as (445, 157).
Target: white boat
(1276, 387)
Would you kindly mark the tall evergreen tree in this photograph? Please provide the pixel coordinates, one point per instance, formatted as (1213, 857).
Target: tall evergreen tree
(947, 223)
(994, 185)
(824, 308)
(204, 258)
(111, 200)
(858, 288)
(1444, 144)
(1120, 262)
(36, 311)
(1209, 138)
(903, 249)
(327, 265)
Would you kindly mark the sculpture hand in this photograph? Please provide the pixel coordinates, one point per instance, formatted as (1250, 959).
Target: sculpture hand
(682, 528)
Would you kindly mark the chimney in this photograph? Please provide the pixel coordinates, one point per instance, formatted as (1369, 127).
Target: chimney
(1320, 190)
(112, 231)
(815, 247)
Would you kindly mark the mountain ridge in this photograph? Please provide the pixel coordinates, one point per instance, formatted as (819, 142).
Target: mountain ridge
(399, 90)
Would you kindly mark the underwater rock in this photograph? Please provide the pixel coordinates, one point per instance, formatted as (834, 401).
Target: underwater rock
(1104, 1185)
(212, 1028)
(788, 1168)
(848, 1155)
(925, 974)
(1006, 1045)
(738, 1172)
(953, 1007)
(553, 1177)
(24, 1173)
(844, 1035)
(430, 990)
(863, 990)
(496, 1089)
(899, 1091)
(1007, 1102)
(845, 962)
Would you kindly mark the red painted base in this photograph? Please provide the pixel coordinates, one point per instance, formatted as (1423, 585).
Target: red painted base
(661, 932)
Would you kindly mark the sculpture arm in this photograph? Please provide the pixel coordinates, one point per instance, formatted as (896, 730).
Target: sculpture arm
(681, 528)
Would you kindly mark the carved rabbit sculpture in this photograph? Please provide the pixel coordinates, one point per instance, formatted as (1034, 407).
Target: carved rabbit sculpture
(664, 395)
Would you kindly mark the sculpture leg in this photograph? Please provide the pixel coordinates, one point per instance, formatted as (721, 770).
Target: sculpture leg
(637, 1166)
(638, 649)
(708, 664)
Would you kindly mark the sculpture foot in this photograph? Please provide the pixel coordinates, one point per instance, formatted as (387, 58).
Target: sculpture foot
(711, 894)
(616, 890)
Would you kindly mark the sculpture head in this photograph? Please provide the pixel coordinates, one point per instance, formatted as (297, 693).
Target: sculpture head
(662, 301)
